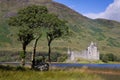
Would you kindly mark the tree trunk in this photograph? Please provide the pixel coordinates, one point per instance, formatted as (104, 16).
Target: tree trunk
(23, 61)
(49, 51)
(23, 56)
(49, 39)
(34, 51)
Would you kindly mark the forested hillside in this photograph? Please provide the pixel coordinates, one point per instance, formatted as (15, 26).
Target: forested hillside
(105, 33)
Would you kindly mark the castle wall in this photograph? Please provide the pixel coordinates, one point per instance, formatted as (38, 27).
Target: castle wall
(90, 54)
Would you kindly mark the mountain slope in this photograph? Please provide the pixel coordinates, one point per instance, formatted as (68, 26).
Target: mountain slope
(104, 32)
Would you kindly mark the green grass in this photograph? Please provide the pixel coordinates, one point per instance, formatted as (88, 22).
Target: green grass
(19, 73)
(51, 75)
(13, 74)
(4, 34)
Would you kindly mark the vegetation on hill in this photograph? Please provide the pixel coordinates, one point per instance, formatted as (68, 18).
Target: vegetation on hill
(84, 30)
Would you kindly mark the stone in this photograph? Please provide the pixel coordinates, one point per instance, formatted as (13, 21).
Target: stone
(42, 66)
(91, 53)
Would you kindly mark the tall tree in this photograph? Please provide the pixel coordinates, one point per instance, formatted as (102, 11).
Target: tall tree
(32, 17)
(56, 29)
(25, 35)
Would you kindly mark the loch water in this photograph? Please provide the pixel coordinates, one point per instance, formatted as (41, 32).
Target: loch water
(78, 65)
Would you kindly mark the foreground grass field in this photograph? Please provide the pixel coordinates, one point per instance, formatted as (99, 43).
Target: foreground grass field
(9, 73)
(51, 75)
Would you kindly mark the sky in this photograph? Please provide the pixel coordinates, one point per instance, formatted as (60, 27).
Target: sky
(107, 9)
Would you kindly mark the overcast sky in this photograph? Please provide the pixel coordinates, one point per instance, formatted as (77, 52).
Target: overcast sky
(108, 9)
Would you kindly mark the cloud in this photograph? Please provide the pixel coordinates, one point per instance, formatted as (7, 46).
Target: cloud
(112, 12)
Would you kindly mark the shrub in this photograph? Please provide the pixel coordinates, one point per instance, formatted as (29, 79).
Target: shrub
(104, 58)
(20, 68)
(109, 57)
(62, 58)
(22, 54)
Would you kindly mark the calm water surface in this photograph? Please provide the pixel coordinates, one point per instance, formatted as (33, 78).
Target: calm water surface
(77, 65)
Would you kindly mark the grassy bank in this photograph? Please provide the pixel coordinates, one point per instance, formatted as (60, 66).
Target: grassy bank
(51, 75)
(18, 73)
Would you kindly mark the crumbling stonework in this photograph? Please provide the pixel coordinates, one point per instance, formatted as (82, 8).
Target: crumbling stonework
(91, 53)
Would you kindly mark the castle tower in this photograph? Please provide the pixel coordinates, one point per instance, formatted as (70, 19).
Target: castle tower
(93, 52)
(69, 53)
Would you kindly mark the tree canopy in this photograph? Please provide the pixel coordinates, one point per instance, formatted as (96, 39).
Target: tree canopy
(31, 20)
(56, 29)
(28, 21)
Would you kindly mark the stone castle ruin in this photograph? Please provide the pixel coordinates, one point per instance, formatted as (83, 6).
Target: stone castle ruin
(91, 53)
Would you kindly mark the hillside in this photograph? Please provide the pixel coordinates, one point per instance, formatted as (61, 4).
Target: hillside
(105, 33)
